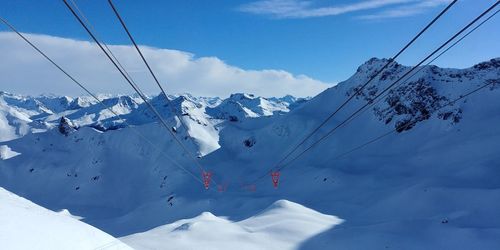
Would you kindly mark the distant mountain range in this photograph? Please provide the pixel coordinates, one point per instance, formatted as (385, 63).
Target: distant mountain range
(20, 115)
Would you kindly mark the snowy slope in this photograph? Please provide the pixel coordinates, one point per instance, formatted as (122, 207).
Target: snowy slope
(13, 123)
(422, 188)
(283, 225)
(25, 225)
(433, 185)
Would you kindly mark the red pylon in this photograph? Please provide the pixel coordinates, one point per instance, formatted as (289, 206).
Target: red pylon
(251, 187)
(222, 187)
(207, 176)
(275, 175)
(248, 187)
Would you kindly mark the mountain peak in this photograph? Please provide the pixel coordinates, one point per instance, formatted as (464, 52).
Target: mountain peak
(374, 64)
(66, 126)
(491, 64)
(242, 96)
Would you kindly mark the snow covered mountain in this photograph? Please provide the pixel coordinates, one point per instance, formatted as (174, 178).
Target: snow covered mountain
(20, 115)
(241, 106)
(433, 184)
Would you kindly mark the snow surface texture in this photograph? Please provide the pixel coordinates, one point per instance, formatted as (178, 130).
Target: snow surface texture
(281, 226)
(24, 225)
(433, 185)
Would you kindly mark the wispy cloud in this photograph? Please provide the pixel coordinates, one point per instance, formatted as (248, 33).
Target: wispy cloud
(179, 71)
(309, 8)
(406, 10)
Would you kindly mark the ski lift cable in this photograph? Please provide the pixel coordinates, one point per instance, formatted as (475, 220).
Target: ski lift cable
(317, 128)
(422, 67)
(391, 85)
(407, 125)
(10, 26)
(91, 27)
(122, 22)
(385, 90)
(147, 65)
(145, 62)
(136, 88)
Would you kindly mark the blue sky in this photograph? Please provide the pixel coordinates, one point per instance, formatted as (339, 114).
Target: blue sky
(324, 40)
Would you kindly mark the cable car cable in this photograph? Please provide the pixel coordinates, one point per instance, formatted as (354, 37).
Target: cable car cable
(316, 129)
(423, 67)
(122, 22)
(409, 124)
(136, 88)
(94, 96)
(390, 86)
(385, 90)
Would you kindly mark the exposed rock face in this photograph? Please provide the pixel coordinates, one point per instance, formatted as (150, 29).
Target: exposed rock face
(418, 97)
(66, 127)
(413, 103)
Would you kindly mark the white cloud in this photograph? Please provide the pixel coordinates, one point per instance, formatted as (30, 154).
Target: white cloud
(25, 71)
(304, 9)
(406, 10)
(308, 8)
